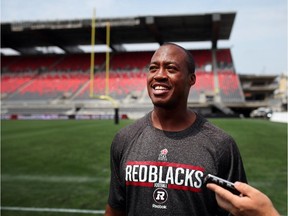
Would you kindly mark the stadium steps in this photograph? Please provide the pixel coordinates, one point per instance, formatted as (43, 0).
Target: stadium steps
(85, 85)
(80, 90)
(221, 107)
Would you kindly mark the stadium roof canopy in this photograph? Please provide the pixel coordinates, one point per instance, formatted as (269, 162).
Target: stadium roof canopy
(68, 35)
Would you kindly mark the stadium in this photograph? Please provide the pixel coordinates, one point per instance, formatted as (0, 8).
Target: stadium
(41, 84)
(59, 85)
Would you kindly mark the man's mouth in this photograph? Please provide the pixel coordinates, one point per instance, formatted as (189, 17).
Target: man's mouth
(160, 89)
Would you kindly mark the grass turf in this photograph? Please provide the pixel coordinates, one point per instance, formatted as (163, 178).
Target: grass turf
(65, 164)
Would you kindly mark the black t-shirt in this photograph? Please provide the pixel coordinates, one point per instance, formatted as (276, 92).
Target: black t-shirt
(155, 172)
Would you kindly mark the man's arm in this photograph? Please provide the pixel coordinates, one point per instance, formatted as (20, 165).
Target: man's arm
(251, 203)
(113, 212)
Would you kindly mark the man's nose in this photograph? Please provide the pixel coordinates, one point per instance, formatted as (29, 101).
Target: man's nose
(161, 74)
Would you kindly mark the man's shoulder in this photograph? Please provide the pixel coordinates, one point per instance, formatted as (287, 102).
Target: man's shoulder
(135, 127)
(125, 135)
(213, 131)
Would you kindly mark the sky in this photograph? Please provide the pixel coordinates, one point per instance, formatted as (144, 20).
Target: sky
(258, 41)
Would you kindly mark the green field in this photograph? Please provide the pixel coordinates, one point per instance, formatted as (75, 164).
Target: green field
(65, 164)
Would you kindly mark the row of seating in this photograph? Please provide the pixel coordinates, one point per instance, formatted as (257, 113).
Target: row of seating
(54, 76)
(121, 84)
(230, 87)
(11, 83)
(74, 62)
(118, 61)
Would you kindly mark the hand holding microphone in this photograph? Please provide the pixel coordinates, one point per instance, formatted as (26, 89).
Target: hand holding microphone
(251, 201)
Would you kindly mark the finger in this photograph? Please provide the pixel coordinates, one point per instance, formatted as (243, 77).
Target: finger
(221, 192)
(245, 189)
(224, 197)
(224, 204)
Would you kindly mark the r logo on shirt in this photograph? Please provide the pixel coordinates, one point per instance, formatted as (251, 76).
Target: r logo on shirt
(160, 195)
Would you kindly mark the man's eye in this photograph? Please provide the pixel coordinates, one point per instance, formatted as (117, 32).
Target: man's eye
(171, 68)
(152, 68)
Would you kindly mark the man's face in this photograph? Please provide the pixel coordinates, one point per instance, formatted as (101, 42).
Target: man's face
(168, 79)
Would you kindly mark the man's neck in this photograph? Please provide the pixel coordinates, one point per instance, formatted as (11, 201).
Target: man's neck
(172, 120)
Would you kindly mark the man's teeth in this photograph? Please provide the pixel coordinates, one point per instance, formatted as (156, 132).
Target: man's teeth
(160, 88)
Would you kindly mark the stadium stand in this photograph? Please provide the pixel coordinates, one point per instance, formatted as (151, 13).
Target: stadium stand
(230, 88)
(67, 76)
(11, 82)
(40, 81)
(130, 61)
(204, 86)
(224, 59)
(77, 62)
(120, 85)
(49, 86)
(27, 63)
(202, 59)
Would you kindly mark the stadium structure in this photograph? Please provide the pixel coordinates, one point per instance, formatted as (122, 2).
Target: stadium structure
(40, 84)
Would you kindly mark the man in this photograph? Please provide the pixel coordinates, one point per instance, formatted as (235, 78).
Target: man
(158, 163)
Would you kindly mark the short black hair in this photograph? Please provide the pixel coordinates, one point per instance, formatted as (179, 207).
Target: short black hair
(189, 59)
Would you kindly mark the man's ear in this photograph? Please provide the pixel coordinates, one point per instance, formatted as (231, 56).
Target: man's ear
(192, 79)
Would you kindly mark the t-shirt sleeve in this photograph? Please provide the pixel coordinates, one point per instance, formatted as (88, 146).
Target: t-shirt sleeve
(119, 146)
(117, 192)
(230, 165)
(230, 162)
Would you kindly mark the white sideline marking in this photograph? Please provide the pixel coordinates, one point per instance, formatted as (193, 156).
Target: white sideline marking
(67, 179)
(83, 211)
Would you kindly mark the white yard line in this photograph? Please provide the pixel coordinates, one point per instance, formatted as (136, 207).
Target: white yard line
(66, 179)
(59, 210)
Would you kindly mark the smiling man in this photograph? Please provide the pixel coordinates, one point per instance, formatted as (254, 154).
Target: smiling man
(158, 163)
(171, 74)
